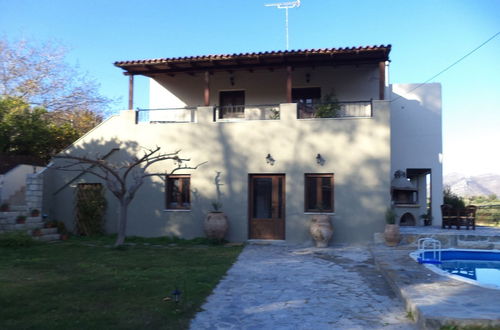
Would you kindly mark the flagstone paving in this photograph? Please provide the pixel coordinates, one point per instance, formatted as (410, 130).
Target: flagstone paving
(284, 287)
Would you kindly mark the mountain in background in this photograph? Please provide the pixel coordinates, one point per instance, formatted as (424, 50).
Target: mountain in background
(478, 185)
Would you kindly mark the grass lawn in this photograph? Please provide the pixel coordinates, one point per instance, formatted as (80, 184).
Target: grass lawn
(86, 284)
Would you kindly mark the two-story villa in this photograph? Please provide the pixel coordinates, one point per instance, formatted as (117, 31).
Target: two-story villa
(285, 135)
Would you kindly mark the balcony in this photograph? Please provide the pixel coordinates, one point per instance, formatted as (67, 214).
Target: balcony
(247, 112)
(358, 109)
(236, 113)
(166, 115)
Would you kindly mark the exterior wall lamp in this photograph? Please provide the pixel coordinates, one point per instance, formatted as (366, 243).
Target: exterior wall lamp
(269, 159)
(231, 80)
(308, 77)
(320, 160)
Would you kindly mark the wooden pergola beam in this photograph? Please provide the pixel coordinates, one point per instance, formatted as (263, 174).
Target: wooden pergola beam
(250, 66)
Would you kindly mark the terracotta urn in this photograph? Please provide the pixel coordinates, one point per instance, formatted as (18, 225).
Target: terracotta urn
(216, 225)
(321, 230)
(392, 235)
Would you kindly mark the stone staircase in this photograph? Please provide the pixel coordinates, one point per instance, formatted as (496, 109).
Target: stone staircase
(33, 225)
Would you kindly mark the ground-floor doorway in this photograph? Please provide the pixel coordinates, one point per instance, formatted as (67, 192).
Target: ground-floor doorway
(266, 206)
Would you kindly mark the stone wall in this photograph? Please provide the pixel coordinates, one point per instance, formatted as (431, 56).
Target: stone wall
(34, 191)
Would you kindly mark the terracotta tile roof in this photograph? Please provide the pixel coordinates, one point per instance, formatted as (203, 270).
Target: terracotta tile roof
(287, 57)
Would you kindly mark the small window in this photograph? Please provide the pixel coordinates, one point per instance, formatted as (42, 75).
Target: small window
(178, 192)
(306, 99)
(319, 193)
(232, 104)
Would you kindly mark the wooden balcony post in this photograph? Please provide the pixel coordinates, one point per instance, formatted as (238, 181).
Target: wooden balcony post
(381, 86)
(206, 94)
(131, 92)
(289, 84)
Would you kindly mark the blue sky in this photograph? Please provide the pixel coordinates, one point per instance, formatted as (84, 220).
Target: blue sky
(426, 36)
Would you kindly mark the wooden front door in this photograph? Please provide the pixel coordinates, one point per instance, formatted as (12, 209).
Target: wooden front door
(267, 206)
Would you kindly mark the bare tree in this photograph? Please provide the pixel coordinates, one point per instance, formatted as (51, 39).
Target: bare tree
(124, 178)
(39, 74)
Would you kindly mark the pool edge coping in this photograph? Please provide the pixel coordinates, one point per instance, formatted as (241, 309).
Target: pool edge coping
(424, 317)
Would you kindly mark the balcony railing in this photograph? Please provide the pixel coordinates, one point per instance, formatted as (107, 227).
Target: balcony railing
(355, 109)
(247, 112)
(358, 109)
(166, 115)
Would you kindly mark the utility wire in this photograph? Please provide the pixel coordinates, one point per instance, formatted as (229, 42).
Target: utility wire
(450, 66)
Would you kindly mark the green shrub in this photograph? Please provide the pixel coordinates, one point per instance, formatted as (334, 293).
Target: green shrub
(328, 108)
(90, 209)
(390, 216)
(456, 202)
(16, 239)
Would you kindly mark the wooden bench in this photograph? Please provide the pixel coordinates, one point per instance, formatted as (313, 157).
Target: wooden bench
(462, 217)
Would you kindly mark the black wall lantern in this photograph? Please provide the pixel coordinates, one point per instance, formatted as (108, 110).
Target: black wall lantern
(320, 160)
(269, 159)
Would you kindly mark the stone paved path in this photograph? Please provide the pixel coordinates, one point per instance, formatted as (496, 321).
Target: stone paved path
(280, 287)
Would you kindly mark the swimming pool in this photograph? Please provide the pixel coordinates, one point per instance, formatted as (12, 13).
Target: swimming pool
(480, 267)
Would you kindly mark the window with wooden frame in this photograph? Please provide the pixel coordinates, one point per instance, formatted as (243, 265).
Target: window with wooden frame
(178, 192)
(318, 192)
(306, 99)
(232, 104)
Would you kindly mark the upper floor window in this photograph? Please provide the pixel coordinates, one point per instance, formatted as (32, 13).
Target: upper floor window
(319, 192)
(306, 98)
(178, 192)
(231, 104)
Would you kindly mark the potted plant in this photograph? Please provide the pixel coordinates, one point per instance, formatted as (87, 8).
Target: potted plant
(4, 207)
(61, 229)
(51, 224)
(427, 217)
(391, 232)
(216, 223)
(21, 219)
(35, 213)
(37, 232)
(321, 228)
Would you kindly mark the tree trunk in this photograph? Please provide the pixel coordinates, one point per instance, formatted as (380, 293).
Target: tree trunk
(122, 223)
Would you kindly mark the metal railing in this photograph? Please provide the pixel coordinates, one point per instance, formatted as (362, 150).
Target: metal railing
(247, 112)
(166, 115)
(354, 109)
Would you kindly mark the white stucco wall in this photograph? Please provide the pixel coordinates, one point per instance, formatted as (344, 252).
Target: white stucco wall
(416, 135)
(262, 86)
(12, 181)
(357, 151)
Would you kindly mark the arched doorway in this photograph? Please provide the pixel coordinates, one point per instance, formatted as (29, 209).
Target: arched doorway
(407, 219)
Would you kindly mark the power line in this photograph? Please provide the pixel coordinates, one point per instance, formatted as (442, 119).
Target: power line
(450, 66)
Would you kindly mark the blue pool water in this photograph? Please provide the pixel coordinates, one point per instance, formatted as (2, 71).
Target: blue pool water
(481, 266)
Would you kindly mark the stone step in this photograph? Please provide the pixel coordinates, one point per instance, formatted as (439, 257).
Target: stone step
(22, 226)
(18, 208)
(49, 237)
(45, 231)
(13, 220)
(11, 214)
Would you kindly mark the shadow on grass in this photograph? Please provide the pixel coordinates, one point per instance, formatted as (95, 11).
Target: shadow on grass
(136, 240)
(79, 284)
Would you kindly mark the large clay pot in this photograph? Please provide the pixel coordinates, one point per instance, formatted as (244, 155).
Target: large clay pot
(321, 230)
(391, 235)
(216, 225)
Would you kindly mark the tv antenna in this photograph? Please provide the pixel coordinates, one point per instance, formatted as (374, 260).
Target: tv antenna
(285, 6)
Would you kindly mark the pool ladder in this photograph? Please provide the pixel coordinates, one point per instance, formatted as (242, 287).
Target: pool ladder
(432, 247)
